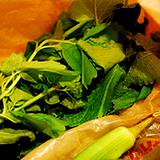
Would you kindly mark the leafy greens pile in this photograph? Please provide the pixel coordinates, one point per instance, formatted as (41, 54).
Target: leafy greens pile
(87, 68)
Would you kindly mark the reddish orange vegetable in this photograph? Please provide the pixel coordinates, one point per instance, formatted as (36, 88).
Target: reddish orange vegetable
(75, 140)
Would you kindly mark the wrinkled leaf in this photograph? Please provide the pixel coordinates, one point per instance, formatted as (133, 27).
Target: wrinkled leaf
(144, 41)
(137, 77)
(100, 100)
(125, 97)
(98, 10)
(126, 100)
(12, 63)
(73, 87)
(145, 91)
(148, 44)
(72, 104)
(145, 68)
(11, 136)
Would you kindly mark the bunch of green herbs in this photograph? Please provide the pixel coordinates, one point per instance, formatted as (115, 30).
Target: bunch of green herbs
(81, 71)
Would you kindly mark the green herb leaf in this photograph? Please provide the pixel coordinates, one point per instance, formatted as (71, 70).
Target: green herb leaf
(88, 71)
(100, 101)
(106, 56)
(144, 70)
(51, 66)
(42, 122)
(72, 104)
(72, 56)
(27, 77)
(149, 64)
(79, 62)
(10, 136)
(93, 9)
(73, 87)
(51, 100)
(34, 108)
(95, 30)
(144, 92)
(12, 63)
(126, 100)
(48, 71)
(19, 96)
(47, 54)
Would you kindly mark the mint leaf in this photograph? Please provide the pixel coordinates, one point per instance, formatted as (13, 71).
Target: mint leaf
(72, 104)
(100, 100)
(78, 61)
(124, 97)
(144, 92)
(74, 87)
(144, 70)
(126, 100)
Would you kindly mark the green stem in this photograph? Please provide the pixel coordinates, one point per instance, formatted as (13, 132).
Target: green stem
(34, 99)
(42, 46)
(5, 93)
(34, 53)
(2, 115)
(73, 29)
(54, 41)
(11, 87)
(5, 108)
(9, 80)
(50, 46)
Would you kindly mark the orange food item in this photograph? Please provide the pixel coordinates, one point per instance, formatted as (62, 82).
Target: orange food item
(150, 10)
(25, 20)
(75, 140)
